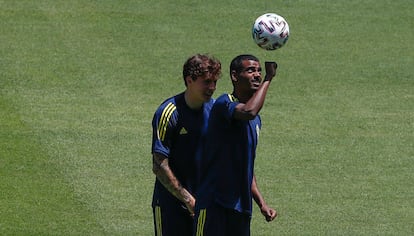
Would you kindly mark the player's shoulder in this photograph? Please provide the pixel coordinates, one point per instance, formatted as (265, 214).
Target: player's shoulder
(225, 99)
(209, 104)
(169, 105)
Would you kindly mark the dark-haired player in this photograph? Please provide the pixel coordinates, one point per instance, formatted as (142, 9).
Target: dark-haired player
(228, 183)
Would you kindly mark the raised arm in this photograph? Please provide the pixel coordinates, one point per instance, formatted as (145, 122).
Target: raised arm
(250, 109)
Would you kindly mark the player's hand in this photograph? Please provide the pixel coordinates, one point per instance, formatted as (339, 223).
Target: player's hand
(269, 213)
(270, 67)
(190, 205)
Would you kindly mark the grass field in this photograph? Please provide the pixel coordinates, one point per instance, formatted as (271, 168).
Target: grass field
(80, 80)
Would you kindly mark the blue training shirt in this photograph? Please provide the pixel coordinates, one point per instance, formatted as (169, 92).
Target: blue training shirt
(228, 160)
(177, 132)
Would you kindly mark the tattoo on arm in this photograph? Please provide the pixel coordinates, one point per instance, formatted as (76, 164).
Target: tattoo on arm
(165, 175)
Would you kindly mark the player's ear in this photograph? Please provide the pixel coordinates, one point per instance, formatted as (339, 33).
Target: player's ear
(233, 76)
(188, 80)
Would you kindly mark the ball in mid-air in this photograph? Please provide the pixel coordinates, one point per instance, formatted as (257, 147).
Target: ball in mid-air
(270, 31)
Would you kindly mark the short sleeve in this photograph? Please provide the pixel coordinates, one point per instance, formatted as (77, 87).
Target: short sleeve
(226, 105)
(163, 126)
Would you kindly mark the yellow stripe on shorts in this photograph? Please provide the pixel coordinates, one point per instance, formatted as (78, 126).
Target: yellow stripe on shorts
(200, 222)
(158, 225)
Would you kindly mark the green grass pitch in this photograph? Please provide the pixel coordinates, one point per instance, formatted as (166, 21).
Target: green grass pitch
(80, 80)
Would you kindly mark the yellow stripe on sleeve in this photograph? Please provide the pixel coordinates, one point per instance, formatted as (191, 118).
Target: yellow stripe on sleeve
(165, 118)
(232, 97)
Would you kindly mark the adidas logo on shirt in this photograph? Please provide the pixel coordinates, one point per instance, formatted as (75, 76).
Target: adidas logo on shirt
(183, 131)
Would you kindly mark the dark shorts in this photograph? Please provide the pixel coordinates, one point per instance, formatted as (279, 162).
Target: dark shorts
(172, 221)
(220, 221)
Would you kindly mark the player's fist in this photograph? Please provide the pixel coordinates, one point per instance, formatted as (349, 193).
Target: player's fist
(268, 212)
(270, 67)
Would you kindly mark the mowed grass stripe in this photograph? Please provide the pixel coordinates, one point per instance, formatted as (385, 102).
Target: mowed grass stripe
(35, 199)
(65, 84)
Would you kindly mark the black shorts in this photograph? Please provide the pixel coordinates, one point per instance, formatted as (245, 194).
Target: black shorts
(172, 220)
(219, 221)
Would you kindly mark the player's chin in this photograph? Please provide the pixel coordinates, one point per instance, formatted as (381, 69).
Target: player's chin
(255, 85)
(207, 96)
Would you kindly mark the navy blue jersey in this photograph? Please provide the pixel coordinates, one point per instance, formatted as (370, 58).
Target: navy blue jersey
(177, 132)
(228, 159)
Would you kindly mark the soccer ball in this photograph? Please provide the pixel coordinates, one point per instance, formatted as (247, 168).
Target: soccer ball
(270, 31)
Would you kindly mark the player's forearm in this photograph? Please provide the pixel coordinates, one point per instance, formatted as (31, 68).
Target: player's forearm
(252, 107)
(167, 178)
(172, 184)
(255, 103)
(257, 196)
(268, 212)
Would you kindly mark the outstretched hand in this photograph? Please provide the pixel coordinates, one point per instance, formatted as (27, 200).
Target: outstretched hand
(270, 67)
(269, 213)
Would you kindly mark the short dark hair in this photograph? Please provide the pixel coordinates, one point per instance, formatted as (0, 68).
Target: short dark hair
(237, 63)
(200, 64)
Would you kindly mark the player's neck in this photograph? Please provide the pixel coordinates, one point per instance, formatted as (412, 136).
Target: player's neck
(192, 103)
(242, 97)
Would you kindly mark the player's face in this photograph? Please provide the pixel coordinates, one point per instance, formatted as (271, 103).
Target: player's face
(203, 87)
(251, 76)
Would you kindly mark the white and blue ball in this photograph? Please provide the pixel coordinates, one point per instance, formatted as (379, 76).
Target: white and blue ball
(270, 31)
